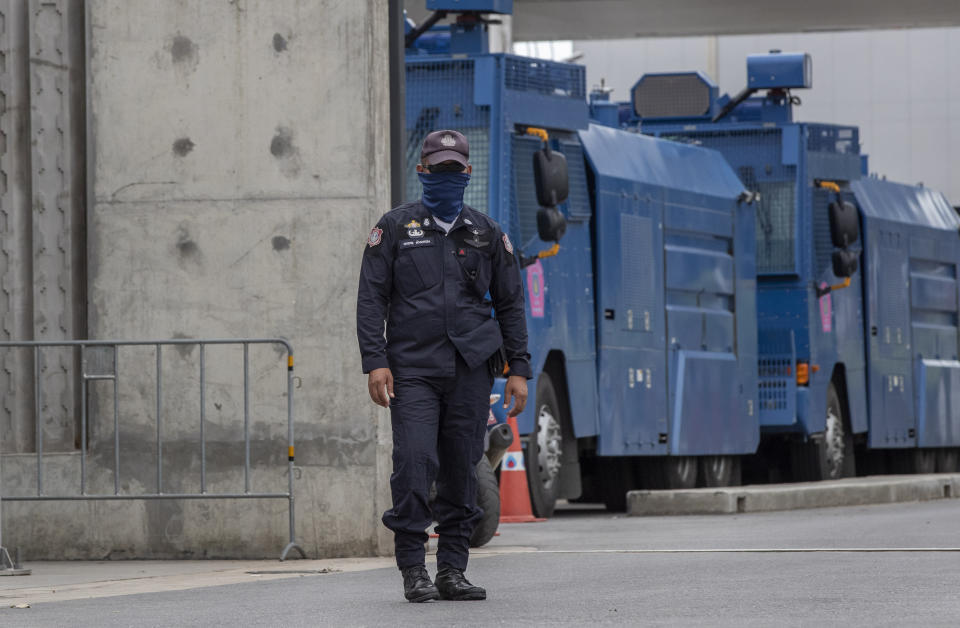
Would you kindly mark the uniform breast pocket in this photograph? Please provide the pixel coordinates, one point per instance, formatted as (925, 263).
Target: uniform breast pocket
(417, 267)
(477, 268)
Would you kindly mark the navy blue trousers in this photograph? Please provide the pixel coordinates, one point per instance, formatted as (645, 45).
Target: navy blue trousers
(438, 430)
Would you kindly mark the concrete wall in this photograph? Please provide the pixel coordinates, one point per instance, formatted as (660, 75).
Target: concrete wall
(238, 152)
(901, 87)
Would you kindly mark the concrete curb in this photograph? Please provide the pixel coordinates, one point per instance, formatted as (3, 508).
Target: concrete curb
(887, 489)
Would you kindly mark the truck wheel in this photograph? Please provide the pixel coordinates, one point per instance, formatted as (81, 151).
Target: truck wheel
(948, 460)
(543, 455)
(910, 461)
(674, 472)
(616, 477)
(720, 471)
(839, 444)
(829, 457)
(925, 460)
(488, 498)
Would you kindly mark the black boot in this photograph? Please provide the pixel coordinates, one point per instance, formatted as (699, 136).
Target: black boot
(453, 586)
(417, 586)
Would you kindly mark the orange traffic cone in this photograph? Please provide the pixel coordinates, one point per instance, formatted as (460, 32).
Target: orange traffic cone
(514, 492)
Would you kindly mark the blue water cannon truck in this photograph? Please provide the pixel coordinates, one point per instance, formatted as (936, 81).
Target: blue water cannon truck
(642, 318)
(856, 276)
(702, 284)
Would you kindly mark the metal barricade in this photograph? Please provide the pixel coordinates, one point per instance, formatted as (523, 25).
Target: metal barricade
(93, 368)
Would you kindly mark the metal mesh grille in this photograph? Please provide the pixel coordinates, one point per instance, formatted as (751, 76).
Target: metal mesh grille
(823, 245)
(578, 203)
(776, 379)
(756, 156)
(560, 80)
(636, 247)
(774, 375)
(672, 96)
(524, 188)
(775, 227)
(440, 96)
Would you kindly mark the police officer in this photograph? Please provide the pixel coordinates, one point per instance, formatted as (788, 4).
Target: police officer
(427, 269)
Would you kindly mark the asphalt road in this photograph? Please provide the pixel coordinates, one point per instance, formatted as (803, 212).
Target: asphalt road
(587, 567)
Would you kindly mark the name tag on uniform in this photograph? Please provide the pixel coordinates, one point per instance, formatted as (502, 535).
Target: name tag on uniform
(409, 244)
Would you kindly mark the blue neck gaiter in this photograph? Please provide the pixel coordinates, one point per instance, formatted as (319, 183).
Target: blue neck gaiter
(443, 193)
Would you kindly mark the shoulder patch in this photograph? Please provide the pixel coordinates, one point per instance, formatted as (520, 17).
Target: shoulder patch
(507, 245)
(376, 237)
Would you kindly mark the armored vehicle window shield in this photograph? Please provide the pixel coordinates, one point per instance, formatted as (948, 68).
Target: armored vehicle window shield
(524, 190)
(671, 96)
(578, 203)
(440, 96)
(775, 227)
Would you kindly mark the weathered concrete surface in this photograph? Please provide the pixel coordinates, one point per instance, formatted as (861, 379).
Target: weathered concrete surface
(850, 492)
(239, 155)
(42, 215)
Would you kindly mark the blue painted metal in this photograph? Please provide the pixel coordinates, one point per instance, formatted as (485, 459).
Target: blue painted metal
(780, 159)
(911, 255)
(483, 6)
(893, 334)
(468, 38)
(672, 255)
(676, 314)
(434, 41)
(491, 99)
(670, 277)
(779, 70)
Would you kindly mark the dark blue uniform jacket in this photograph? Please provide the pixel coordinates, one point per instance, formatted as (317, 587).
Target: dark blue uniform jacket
(431, 289)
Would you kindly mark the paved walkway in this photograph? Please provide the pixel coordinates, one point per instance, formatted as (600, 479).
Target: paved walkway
(894, 565)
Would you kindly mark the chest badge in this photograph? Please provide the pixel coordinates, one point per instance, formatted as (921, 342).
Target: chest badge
(475, 240)
(413, 224)
(415, 233)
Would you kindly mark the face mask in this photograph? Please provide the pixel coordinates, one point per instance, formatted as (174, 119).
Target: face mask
(443, 193)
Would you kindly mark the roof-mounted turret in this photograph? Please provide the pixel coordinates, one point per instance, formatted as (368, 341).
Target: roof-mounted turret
(693, 96)
(467, 35)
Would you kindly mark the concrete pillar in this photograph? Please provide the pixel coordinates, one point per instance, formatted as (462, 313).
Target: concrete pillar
(42, 214)
(238, 158)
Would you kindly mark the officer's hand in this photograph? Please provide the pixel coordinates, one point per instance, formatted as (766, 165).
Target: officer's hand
(517, 388)
(380, 385)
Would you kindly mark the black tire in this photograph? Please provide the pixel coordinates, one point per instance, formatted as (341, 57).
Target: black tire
(911, 461)
(616, 477)
(829, 456)
(901, 461)
(870, 461)
(718, 471)
(948, 460)
(488, 498)
(925, 460)
(673, 472)
(543, 453)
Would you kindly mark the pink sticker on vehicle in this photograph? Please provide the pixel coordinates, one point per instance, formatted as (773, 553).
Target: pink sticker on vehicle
(535, 288)
(826, 310)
